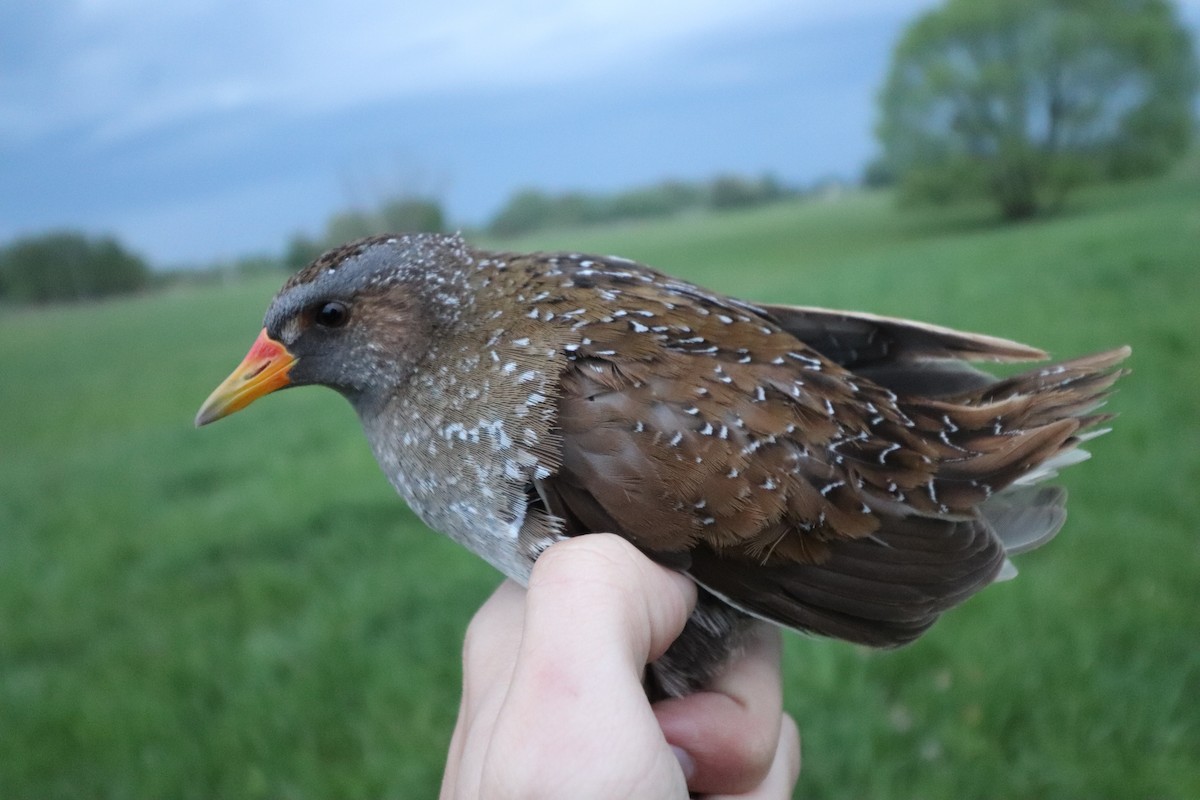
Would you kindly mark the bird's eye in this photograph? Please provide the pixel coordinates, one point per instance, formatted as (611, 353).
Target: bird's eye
(332, 315)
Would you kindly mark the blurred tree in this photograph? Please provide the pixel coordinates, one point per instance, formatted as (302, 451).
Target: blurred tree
(734, 191)
(346, 226)
(300, 251)
(400, 214)
(578, 208)
(877, 174)
(67, 265)
(531, 209)
(527, 210)
(1022, 100)
(660, 200)
(411, 215)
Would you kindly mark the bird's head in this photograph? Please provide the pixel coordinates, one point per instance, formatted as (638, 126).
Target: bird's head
(358, 320)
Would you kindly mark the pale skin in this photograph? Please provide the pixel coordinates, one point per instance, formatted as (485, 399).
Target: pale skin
(553, 704)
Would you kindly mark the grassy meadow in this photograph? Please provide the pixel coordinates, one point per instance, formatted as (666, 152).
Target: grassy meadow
(248, 611)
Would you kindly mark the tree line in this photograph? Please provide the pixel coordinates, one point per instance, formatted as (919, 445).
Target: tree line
(68, 265)
(531, 210)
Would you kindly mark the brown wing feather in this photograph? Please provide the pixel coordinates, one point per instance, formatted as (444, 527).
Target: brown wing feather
(856, 338)
(908, 357)
(707, 432)
(882, 591)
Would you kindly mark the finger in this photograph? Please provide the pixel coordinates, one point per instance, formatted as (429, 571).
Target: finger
(597, 590)
(596, 612)
(454, 758)
(731, 730)
(489, 655)
(781, 779)
(492, 641)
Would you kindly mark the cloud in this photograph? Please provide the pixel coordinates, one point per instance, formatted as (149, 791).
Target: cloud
(121, 68)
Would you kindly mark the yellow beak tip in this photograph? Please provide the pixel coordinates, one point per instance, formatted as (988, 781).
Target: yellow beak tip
(205, 415)
(264, 370)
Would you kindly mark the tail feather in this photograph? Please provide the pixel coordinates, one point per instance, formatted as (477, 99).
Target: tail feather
(952, 537)
(1026, 517)
(1016, 431)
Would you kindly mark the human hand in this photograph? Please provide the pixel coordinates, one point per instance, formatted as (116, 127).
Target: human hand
(553, 704)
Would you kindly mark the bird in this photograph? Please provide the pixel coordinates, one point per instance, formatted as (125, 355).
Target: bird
(838, 473)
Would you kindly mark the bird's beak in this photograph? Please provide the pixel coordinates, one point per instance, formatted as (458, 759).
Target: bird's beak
(264, 369)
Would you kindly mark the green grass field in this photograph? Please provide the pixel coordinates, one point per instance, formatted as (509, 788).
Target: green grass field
(248, 610)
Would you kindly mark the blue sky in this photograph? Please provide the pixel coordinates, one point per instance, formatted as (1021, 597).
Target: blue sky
(206, 129)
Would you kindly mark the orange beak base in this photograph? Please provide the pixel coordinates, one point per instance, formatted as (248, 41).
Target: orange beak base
(264, 370)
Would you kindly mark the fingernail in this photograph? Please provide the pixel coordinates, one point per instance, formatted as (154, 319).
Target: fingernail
(685, 762)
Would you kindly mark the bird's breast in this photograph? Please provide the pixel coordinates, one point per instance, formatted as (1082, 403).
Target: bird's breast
(466, 468)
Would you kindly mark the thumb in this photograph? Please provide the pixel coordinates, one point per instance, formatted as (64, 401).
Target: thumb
(596, 613)
(596, 597)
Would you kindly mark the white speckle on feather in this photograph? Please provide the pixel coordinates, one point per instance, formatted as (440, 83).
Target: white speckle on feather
(829, 487)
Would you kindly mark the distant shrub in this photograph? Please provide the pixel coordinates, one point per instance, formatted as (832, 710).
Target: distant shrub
(878, 174)
(527, 210)
(67, 265)
(405, 214)
(411, 215)
(532, 209)
(734, 191)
